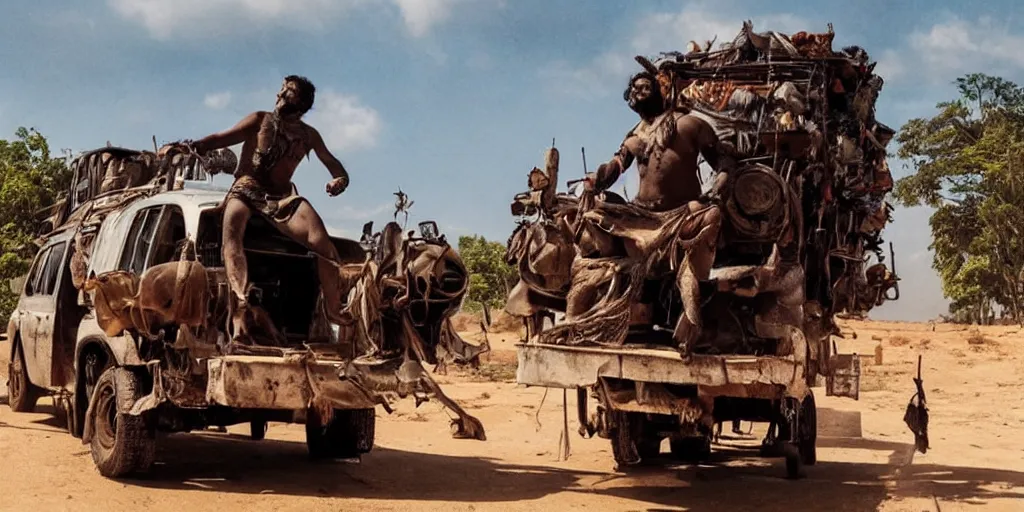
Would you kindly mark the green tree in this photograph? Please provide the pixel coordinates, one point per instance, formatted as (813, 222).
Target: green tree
(30, 180)
(967, 163)
(490, 278)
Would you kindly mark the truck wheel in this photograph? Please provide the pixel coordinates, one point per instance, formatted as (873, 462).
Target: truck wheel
(121, 443)
(257, 429)
(349, 433)
(808, 431)
(631, 442)
(792, 454)
(21, 394)
(691, 448)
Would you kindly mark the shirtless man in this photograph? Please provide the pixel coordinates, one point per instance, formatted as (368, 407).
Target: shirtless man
(665, 144)
(273, 145)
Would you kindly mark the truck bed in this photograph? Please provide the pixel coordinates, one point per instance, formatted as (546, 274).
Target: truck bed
(559, 366)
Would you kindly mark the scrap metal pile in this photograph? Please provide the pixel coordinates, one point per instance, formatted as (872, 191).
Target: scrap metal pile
(106, 180)
(802, 208)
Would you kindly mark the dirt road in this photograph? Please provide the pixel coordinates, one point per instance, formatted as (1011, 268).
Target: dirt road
(865, 457)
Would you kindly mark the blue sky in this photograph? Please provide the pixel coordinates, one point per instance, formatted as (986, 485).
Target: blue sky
(451, 100)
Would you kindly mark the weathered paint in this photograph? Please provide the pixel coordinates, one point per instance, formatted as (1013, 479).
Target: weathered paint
(844, 379)
(558, 366)
(267, 382)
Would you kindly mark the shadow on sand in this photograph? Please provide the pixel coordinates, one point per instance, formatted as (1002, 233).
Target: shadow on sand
(733, 479)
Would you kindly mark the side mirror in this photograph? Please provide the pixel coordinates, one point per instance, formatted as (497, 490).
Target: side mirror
(13, 285)
(428, 230)
(17, 284)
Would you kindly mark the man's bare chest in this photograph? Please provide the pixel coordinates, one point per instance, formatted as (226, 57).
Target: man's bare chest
(650, 139)
(281, 144)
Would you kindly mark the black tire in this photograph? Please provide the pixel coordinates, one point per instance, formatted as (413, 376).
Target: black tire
(121, 444)
(808, 431)
(349, 433)
(257, 430)
(793, 456)
(22, 395)
(632, 443)
(691, 448)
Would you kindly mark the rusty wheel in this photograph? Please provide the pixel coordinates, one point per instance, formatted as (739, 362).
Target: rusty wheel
(21, 394)
(257, 429)
(808, 431)
(347, 433)
(632, 440)
(121, 444)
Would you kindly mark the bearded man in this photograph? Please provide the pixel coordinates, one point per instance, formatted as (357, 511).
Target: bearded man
(666, 144)
(273, 144)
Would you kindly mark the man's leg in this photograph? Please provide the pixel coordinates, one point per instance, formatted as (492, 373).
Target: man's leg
(306, 227)
(236, 217)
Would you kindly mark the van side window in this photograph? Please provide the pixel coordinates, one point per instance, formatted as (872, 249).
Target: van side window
(54, 260)
(155, 237)
(140, 237)
(32, 283)
(168, 241)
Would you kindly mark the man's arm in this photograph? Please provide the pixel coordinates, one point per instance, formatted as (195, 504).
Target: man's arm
(330, 162)
(711, 149)
(707, 143)
(608, 173)
(237, 134)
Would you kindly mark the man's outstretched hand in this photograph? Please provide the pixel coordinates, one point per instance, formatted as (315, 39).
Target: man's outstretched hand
(337, 186)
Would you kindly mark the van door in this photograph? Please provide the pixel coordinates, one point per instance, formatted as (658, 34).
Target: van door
(26, 321)
(38, 313)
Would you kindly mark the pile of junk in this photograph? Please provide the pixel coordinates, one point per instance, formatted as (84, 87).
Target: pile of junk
(802, 209)
(788, 234)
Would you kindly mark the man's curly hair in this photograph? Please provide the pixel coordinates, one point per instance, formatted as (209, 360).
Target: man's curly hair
(655, 88)
(306, 91)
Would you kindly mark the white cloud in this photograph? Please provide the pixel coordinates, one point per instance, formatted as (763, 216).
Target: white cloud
(344, 122)
(166, 19)
(421, 15)
(217, 101)
(655, 33)
(952, 48)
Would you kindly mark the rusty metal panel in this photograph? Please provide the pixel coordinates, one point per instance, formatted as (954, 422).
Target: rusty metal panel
(264, 382)
(560, 366)
(844, 378)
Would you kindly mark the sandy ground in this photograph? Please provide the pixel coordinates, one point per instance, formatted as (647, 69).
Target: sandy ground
(866, 459)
